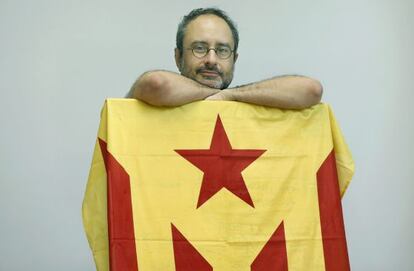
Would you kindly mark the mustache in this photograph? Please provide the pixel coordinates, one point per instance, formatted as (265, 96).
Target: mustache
(211, 69)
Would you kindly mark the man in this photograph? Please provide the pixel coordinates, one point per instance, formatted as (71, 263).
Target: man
(207, 42)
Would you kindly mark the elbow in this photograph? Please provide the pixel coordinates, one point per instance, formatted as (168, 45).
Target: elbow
(310, 94)
(313, 96)
(316, 91)
(152, 88)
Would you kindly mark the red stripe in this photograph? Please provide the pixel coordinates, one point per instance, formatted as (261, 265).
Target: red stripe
(273, 256)
(122, 251)
(186, 257)
(332, 222)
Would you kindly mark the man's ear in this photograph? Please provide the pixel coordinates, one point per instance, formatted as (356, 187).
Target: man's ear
(177, 55)
(236, 55)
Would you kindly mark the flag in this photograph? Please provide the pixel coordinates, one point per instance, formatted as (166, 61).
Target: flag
(217, 186)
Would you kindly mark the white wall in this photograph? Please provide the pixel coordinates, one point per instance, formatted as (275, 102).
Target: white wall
(59, 60)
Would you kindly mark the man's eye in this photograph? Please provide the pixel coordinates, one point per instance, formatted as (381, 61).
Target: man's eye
(223, 50)
(199, 48)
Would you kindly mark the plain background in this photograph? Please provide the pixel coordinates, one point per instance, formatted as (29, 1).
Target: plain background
(59, 60)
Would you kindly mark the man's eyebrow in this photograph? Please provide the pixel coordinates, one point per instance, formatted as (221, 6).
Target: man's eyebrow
(206, 43)
(198, 42)
(223, 44)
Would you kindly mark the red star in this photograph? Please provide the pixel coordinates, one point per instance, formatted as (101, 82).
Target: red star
(222, 166)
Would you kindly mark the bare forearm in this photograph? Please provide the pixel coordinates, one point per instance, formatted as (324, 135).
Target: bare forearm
(287, 92)
(164, 88)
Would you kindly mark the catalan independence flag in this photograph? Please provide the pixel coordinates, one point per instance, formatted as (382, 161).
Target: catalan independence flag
(221, 186)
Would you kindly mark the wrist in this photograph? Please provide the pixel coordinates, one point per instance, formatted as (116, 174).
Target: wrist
(231, 94)
(227, 94)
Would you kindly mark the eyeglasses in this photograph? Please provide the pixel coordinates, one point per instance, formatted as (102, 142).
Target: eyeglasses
(201, 50)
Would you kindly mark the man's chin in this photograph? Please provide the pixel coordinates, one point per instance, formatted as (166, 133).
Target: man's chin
(218, 84)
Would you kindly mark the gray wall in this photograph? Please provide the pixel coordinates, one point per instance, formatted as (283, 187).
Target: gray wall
(59, 60)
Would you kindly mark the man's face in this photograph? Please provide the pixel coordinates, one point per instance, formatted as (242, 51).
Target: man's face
(209, 70)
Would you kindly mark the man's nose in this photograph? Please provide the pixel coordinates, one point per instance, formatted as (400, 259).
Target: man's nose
(211, 57)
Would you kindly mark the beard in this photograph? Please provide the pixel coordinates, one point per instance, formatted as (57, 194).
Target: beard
(215, 77)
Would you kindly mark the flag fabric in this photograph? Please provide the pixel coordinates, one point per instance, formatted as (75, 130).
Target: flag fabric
(217, 186)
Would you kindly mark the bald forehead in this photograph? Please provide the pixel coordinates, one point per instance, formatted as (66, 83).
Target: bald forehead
(208, 28)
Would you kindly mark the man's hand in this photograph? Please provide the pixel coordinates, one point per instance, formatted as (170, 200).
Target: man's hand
(224, 95)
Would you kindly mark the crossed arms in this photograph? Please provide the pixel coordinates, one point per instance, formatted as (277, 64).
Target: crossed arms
(164, 88)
